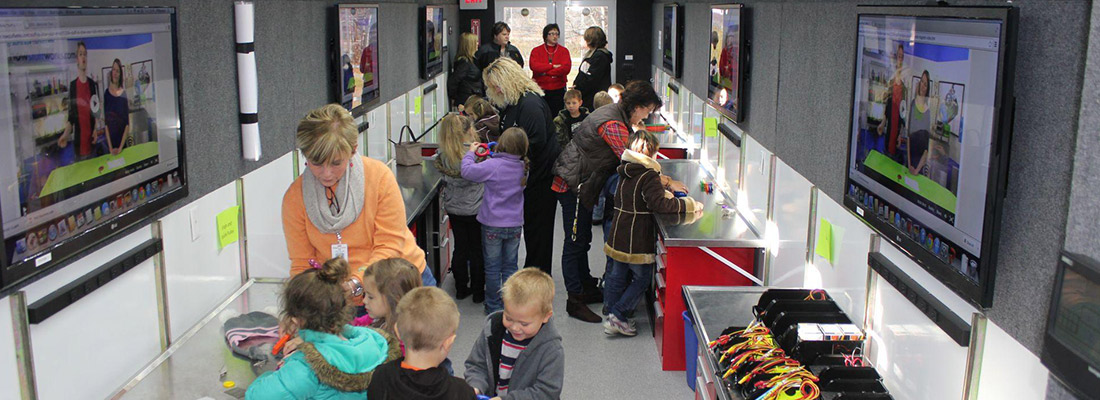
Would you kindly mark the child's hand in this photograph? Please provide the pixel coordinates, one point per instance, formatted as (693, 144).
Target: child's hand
(292, 345)
(677, 186)
(474, 146)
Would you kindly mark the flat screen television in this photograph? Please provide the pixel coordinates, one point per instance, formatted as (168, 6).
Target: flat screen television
(727, 44)
(931, 123)
(91, 136)
(1071, 346)
(672, 39)
(356, 72)
(431, 41)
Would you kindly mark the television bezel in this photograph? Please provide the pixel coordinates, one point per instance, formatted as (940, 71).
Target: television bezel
(1064, 362)
(336, 81)
(14, 275)
(675, 65)
(981, 293)
(429, 70)
(739, 115)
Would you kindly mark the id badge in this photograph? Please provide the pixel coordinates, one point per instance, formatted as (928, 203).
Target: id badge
(340, 250)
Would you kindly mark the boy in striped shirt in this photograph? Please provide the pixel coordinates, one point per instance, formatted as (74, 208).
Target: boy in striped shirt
(519, 354)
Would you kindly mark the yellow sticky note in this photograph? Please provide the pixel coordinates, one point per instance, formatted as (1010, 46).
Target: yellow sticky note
(416, 104)
(227, 226)
(710, 126)
(824, 247)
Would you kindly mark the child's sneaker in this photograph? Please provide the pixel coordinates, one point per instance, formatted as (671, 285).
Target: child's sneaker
(613, 325)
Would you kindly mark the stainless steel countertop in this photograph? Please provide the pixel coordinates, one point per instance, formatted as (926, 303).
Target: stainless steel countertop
(714, 228)
(669, 140)
(715, 308)
(190, 368)
(419, 184)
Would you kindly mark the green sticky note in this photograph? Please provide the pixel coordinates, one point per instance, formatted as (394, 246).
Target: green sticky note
(227, 226)
(824, 246)
(416, 104)
(710, 126)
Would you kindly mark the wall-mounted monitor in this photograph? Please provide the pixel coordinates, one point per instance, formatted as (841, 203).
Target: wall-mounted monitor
(672, 39)
(90, 129)
(356, 73)
(1071, 347)
(931, 119)
(726, 49)
(431, 41)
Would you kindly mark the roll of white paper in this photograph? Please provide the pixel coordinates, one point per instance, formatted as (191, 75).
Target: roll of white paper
(250, 141)
(243, 17)
(247, 86)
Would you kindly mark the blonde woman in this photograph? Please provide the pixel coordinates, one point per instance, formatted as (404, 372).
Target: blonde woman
(343, 204)
(465, 79)
(520, 102)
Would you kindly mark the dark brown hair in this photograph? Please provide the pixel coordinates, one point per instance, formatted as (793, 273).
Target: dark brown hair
(573, 94)
(394, 277)
(639, 94)
(651, 142)
(316, 298)
(595, 38)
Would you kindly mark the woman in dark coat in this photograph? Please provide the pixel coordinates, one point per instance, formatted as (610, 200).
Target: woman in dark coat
(594, 73)
(500, 47)
(465, 79)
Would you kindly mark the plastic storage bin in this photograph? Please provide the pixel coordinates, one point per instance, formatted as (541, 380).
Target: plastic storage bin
(691, 349)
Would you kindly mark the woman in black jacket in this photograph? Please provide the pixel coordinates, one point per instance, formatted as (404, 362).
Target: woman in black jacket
(500, 47)
(465, 79)
(594, 73)
(519, 99)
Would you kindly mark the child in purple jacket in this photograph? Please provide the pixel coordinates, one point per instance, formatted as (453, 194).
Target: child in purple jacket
(501, 214)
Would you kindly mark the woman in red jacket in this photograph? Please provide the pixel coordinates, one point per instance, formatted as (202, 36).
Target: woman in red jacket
(550, 65)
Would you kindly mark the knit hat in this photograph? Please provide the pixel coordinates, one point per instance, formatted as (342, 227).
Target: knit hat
(252, 336)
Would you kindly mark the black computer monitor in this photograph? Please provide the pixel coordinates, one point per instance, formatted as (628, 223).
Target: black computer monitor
(931, 119)
(91, 135)
(1071, 346)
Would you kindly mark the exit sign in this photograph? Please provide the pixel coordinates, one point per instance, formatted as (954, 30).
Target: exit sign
(473, 4)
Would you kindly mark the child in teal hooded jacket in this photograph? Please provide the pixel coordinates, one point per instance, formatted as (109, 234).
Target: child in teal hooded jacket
(330, 359)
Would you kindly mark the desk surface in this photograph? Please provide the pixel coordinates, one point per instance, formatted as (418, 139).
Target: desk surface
(191, 369)
(419, 185)
(715, 308)
(715, 227)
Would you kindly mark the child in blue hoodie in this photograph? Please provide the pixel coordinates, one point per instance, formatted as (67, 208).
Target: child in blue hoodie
(333, 360)
(501, 213)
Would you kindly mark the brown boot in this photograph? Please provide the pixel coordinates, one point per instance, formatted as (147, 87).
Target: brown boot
(576, 308)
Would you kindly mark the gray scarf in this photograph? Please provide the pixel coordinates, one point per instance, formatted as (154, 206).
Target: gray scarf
(350, 192)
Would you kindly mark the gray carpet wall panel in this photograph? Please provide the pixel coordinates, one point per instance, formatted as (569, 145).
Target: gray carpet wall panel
(799, 94)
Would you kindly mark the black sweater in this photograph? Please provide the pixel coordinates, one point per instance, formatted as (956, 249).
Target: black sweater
(533, 115)
(465, 80)
(390, 381)
(594, 75)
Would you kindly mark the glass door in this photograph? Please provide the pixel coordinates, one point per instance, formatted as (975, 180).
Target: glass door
(527, 18)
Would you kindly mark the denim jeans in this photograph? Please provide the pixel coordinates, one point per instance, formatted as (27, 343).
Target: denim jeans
(426, 277)
(501, 261)
(621, 293)
(574, 253)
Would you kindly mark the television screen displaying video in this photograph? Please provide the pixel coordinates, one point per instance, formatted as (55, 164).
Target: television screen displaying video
(724, 68)
(431, 42)
(358, 66)
(672, 31)
(925, 151)
(90, 136)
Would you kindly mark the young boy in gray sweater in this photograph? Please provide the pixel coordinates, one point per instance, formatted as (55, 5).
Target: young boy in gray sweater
(519, 354)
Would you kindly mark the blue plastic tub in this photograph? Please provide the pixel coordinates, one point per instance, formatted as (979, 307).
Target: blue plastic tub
(691, 349)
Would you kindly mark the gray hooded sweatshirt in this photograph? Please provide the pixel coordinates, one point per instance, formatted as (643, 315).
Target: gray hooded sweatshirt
(539, 371)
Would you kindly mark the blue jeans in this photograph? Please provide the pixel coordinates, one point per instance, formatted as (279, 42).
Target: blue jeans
(426, 277)
(501, 261)
(574, 253)
(621, 294)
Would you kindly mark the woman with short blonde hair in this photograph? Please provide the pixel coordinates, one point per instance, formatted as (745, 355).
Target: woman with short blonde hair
(521, 104)
(343, 204)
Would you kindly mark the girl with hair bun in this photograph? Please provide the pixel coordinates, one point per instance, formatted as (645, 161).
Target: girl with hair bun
(332, 359)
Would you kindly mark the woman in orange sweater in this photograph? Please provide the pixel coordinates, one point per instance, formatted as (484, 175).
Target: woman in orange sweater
(344, 204)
